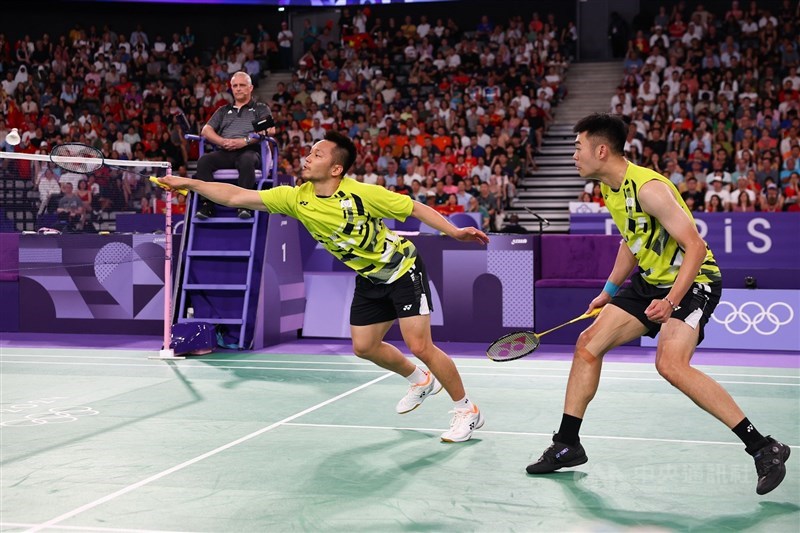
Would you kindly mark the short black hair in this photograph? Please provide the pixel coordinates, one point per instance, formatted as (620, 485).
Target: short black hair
(611, 128)
(345, 151)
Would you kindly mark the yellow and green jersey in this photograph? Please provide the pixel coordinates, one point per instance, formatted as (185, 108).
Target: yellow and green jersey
(349, 224)
(658, 253)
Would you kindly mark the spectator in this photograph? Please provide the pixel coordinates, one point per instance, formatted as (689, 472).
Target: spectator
(771, 201)
(512, 225)
(49, 187)
(285, 44)
(744, 204)
(70, 210)
(691, 191)
(230, 128)
(715, 204)
(716, 189)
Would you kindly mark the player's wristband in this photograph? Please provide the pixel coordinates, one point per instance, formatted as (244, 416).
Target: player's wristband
(674, 307)
(611, 288)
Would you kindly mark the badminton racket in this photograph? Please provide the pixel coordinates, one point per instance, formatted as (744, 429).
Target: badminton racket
(83, 159)
(521, 343)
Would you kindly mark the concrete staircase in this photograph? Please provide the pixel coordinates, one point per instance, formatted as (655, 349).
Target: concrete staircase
(267, 86)
(548, 191)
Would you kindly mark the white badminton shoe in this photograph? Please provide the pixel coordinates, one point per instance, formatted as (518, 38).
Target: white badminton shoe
(463, 423)
(418, 393)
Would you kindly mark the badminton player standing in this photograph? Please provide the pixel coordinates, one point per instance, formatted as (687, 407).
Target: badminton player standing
(346, 217)
(675, 291)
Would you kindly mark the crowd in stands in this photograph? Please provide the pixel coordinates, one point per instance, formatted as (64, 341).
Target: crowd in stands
(713, 101)
(450, 116)
(446, 114)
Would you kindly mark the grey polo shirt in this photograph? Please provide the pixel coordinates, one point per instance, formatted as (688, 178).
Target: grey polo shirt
(230, 123)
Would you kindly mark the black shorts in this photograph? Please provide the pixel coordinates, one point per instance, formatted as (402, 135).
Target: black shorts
(696, 307)
(409, 295)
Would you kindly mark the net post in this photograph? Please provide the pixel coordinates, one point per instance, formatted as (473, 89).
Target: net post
(166, 352)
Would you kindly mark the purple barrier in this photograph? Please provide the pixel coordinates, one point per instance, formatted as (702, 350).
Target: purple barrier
(84, 283)
(146, 223)
(9, 295)
(479, 293)
(759, 245)
(9, 256)
(282, 292)
(576, 260)
(485, 292)
(753, 320)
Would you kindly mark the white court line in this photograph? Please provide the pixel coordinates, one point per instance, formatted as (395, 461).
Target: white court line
(518, 434)
(563, 365)
(200, 366)
(91, 528)
(199, 458)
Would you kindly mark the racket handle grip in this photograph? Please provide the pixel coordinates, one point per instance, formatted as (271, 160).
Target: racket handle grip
(593, 312)
(154, 181)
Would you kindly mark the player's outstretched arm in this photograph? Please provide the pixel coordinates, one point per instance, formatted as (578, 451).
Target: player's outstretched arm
(434, 219)
(219, 193)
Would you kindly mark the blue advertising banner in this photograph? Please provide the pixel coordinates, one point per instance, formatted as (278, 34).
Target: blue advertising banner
(738, 240)
(753, 320)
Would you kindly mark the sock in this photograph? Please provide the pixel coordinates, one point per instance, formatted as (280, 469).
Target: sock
(749, 435)
(463, 403)
(417, 376)
(568, 432)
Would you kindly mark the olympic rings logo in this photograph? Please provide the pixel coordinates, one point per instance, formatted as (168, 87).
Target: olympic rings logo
(54, 415)
(739, 321)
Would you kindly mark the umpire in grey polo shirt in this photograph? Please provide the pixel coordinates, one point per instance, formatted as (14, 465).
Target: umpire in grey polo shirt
(229, 128)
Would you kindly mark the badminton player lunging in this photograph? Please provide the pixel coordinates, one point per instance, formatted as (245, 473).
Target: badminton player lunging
(675, 291)
(346, 217)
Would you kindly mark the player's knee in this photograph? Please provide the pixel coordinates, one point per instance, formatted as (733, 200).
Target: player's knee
(365, 349)
(420, 348)
(583, 339)
(669, 369)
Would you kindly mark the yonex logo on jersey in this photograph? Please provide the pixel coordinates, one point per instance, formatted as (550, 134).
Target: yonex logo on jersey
(303, 202)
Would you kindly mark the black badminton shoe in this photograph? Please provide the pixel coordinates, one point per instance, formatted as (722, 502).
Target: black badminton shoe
(557, 456)
(770, 465)
(206, 210)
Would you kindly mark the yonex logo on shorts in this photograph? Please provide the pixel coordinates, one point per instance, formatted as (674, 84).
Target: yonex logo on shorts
(406, 307)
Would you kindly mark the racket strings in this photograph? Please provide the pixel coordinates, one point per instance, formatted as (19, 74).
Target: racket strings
(513, 346)
(77, 158)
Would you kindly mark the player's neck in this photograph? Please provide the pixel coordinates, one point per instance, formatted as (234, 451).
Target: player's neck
(327, 186)
(614, 172)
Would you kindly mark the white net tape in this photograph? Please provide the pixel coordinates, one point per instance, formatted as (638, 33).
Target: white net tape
(85, 160)
(32, 189)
